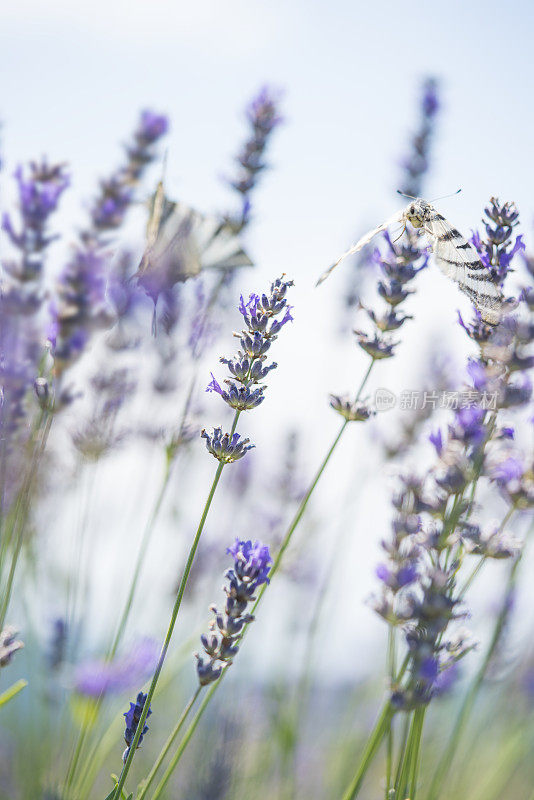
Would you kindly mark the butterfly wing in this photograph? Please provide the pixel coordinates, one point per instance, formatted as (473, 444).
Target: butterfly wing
(219, 246)
(398, 217)
(181, 243)
(458, 259)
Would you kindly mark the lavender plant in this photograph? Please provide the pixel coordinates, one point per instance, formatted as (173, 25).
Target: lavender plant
(476, 465)
(399, 268)
(248, 370)
(251, 570)
(434, 535)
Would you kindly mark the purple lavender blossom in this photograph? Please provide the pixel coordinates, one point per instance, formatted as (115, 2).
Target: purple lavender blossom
(436, 439)
(447, 679)
(416, 164)
(247, 367)
(132, 718)
(252, 562)
(469, 425)
(226, 448)
(96, 678)
(508, 471)
(264, 117)
(497, 251)
(80, 306)
(398, 267)
(39, 195)
(117, 192)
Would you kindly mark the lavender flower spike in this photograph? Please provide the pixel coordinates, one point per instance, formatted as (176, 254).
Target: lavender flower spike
(251, 569)
(132, 716)
(263, 116)
(247, 368)
(39, 195)
(226, 448)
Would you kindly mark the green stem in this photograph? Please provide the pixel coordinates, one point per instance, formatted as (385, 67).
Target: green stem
(373, 743)
(419, 719)
(19, 525)
(471, 695)
(172, 623)
(185, 741)
(144, 786)
(145, 541)
(391, 670)
(274, 569)
(404, 754)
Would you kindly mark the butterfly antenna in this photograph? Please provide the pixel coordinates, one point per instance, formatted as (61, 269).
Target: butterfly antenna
(444, 197)
(410, 196)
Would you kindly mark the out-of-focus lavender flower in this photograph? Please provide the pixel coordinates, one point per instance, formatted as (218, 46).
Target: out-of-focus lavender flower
(58, 643)
(132, 717)
(80, 306)
(264, 117)
(96, 678)
(252, 562)
(352, 411)
(447, 678)
(117, 192)
(436, 439)
(21, 296)
(39, 194)
(515, 479)
(9, 645)
(416, 164)
(496, 543)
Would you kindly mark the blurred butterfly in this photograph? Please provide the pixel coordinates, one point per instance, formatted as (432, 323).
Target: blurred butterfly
(454, 255)
(182, 243)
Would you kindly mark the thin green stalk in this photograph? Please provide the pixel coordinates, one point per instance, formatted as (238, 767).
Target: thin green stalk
(391, 670)
(406, 783)
(145, 541)
(404, 754)
(144, 786)
(19, 524)
(373, 743)
(74, 759)
(172, 623)
(183, 744)
(471, 695)
(416, 752)
(496, 776)
(274, 569)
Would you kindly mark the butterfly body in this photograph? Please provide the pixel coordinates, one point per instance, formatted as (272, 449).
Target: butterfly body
(454, 255)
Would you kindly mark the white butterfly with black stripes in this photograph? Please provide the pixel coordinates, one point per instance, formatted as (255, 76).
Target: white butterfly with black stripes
(454, 255)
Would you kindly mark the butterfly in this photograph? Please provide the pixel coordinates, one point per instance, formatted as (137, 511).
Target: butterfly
(454, 255)
(181, 243)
